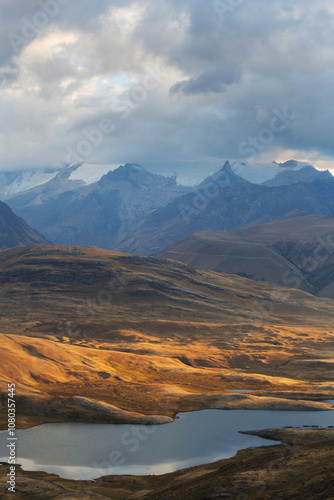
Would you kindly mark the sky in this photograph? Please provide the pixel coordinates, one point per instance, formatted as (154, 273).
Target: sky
(149, 81)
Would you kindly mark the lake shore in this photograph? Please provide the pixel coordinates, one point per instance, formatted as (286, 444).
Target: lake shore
(301, 467)
(35, 410)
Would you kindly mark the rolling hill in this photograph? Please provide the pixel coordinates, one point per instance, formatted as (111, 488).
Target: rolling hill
(296, 251)
(99, 334)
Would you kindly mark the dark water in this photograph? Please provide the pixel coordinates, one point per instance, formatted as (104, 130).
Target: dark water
(86, 451)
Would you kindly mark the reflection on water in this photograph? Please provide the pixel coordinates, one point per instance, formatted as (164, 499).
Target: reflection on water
(87, 451)
(239, 390)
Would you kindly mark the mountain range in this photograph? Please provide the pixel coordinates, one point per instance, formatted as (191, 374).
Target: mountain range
(187, 173)
(225, 202)
(69, 212)
(132, 210)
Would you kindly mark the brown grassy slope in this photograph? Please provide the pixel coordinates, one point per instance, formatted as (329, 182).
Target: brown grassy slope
(150, 335)
(296, 251)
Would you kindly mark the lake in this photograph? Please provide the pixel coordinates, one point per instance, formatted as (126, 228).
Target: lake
(87, 451)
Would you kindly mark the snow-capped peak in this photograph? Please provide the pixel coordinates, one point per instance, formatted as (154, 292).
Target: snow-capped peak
(91, 172)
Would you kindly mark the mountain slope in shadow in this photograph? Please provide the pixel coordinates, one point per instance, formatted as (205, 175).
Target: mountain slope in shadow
(296, 251)
(14, 231)
(226, 202)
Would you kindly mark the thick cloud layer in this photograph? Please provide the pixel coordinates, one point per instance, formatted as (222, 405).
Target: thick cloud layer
(165, 80)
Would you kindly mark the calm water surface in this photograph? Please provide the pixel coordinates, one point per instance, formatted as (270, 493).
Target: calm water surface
(87, 451)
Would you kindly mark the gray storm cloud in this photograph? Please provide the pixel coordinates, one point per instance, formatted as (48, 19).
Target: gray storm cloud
(164, 80)
(216, 80)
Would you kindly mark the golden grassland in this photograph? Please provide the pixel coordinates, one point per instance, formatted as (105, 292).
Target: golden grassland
(152, 336)
(98, 336)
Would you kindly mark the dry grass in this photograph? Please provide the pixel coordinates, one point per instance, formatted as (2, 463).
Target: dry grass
(152, 336)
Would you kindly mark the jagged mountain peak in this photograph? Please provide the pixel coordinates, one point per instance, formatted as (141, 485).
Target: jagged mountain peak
(124, 171)
(224, 177)
(227, 169)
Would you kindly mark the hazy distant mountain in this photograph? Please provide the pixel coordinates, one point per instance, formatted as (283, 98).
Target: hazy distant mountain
(57, 179)
(95, 215)
(14, 231)
(47, 191)
(305, 174)
(189, 173)
(132, 210)
(224, 206)
(288, 164)
(297, 251)
(19, 181)
(259, 173)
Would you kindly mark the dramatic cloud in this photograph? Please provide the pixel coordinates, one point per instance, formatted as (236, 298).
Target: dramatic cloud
(165, 80)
